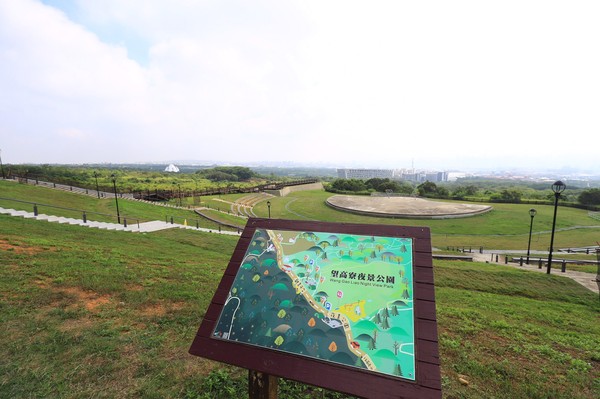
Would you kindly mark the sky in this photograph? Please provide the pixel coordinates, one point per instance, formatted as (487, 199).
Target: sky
(452, 85)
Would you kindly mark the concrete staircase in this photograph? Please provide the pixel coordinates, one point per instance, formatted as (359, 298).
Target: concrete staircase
(146, 227)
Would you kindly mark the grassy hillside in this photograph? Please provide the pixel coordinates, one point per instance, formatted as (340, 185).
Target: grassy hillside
(91, 313)
(71, 204)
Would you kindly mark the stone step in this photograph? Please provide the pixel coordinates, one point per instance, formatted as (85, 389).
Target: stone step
(144, 227)
(64, 220)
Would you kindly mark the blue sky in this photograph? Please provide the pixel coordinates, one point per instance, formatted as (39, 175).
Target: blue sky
(451, 85)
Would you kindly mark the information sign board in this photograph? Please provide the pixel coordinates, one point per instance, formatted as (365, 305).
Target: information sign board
(356, 302)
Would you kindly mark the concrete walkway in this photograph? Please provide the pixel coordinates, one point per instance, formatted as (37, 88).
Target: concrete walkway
(588, 280)
(146, 227)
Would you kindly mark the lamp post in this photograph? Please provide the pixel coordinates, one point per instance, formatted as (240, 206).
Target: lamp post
(97, 188)
(558, 187)
(532, 213)
(114, 180)
(269, 206)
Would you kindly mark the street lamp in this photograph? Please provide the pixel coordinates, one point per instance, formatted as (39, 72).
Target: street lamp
(114, 180)
(532, 213)
(269, 206)
(97, 188)
(558, 187)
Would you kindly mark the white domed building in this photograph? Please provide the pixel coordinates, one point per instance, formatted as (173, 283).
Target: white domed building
(172, 168)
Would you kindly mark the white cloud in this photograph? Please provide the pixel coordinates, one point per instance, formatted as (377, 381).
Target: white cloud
(379, 83)
(74, 134)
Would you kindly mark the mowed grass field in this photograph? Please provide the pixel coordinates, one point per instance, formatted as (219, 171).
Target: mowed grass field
(91, 313)
(505, 227)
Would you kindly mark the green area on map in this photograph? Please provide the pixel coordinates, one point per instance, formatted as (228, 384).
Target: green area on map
(340, 298)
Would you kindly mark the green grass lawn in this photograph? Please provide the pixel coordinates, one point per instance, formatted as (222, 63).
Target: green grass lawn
(513, 333)
(88, 312)
(505, 227)
(92, 313)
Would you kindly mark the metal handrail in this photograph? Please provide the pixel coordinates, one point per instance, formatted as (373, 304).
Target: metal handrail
(82, 211)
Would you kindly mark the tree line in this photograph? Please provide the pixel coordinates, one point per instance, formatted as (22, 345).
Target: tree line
(516, 193)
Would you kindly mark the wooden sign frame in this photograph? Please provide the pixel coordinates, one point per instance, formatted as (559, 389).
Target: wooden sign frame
(339, 377)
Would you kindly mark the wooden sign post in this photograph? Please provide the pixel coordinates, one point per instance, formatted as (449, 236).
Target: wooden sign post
(347, 307)
(261, 385)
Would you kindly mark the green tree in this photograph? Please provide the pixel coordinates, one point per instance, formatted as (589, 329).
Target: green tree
(427, 189)
(372, 344)
(511, 196)
(460, 192)
(589, 197)
(220, 176)
(385, 324)
(385, 312)
(442, 192)
(398, 370)
(353, 185)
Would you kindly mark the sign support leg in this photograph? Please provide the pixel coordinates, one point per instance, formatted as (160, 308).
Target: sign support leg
(261, 385)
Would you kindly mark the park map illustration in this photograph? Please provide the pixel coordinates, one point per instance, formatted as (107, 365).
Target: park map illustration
(340, 298)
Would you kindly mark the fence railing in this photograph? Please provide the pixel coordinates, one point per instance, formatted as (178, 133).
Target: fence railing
(196, 222)
(165, 195)
(69, 187)
(85, 215)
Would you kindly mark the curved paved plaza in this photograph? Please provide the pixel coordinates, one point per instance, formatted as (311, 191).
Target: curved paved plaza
(405, 207)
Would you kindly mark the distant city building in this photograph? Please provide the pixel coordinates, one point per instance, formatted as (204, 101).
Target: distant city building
(365, 174)
(398, 174)
(453, 176)
(172, 168)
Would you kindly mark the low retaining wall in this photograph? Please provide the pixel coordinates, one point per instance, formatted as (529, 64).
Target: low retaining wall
(218, 221)
(303, 187)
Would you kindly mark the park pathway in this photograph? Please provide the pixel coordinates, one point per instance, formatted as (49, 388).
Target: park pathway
(145, 227)
(588, 280)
